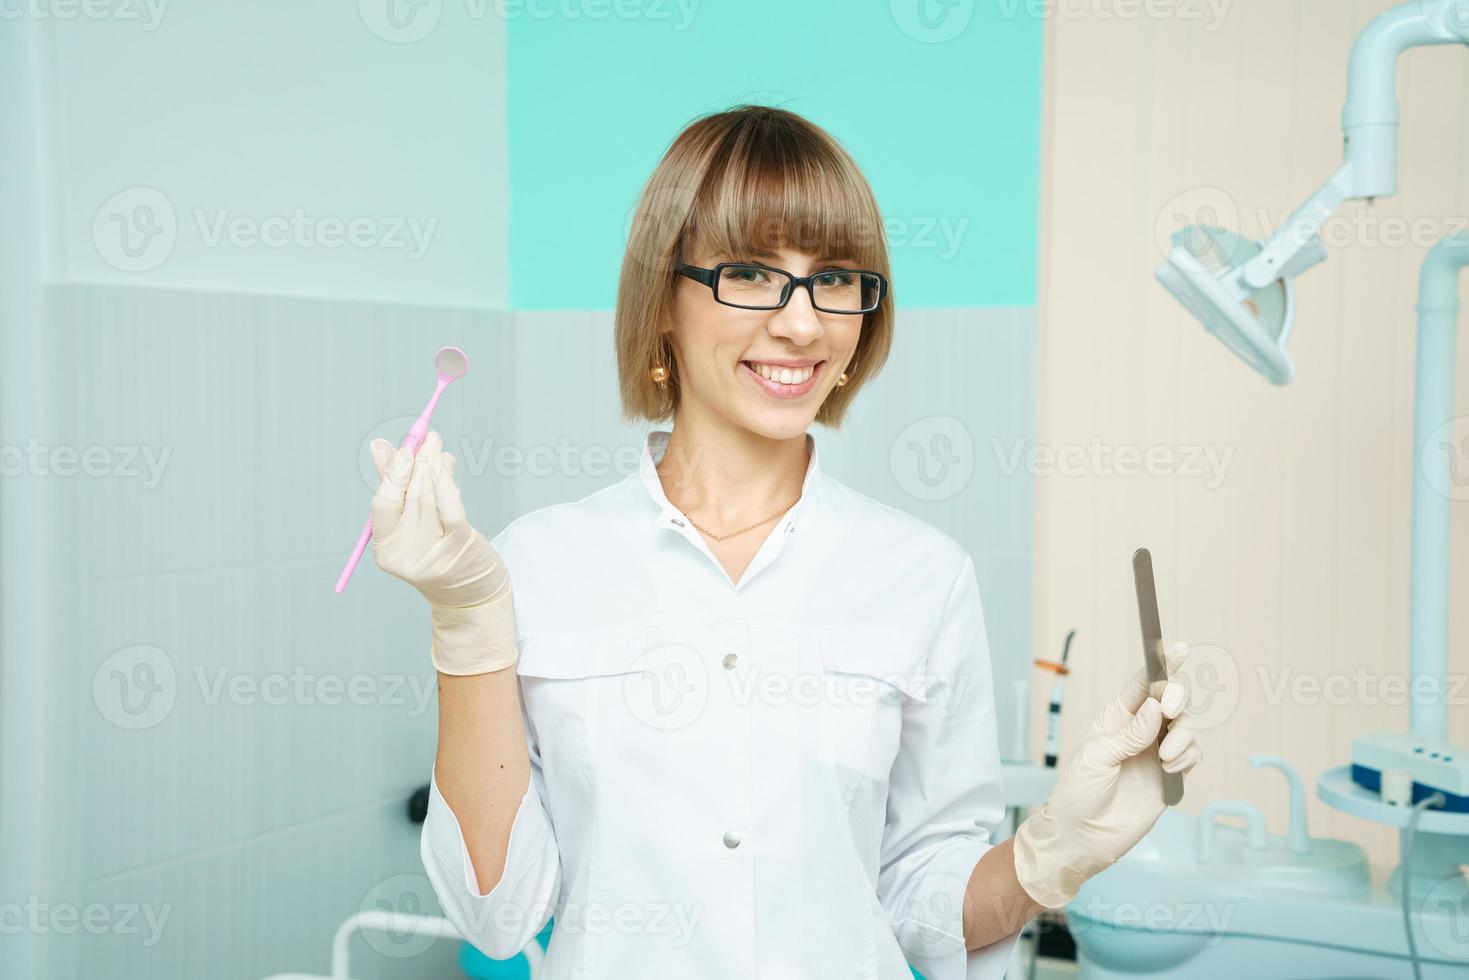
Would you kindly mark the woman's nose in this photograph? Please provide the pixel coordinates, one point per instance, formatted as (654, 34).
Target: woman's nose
(797, 320)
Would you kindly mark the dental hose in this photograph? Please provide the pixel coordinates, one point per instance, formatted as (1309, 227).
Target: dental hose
(1406, 881)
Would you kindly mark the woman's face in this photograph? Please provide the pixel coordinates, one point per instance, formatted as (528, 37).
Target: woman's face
(731, 361)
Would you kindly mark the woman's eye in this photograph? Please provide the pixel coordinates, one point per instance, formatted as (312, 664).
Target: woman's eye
(830, 279)
(745, 274)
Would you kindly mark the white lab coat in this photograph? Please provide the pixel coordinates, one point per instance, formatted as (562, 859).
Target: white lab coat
(789, 777)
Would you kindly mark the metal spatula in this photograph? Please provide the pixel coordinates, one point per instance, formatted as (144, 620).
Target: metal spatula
(1157, 663)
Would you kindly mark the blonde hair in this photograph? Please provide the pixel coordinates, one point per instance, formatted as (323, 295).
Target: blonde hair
(752, 178)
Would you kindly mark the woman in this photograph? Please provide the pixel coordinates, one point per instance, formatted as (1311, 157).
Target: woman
(758, 734)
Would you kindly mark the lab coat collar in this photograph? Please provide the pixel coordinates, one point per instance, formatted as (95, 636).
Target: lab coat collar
(657, 443)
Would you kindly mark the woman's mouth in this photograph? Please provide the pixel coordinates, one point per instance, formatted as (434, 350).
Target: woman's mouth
(782, 382)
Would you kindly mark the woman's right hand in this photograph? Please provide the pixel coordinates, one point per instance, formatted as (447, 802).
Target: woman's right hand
(421, 534)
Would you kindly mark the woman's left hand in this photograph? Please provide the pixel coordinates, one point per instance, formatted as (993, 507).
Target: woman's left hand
(1111, 792)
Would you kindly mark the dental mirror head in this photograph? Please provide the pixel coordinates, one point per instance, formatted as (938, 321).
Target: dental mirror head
(1204, 271)
(451, 363)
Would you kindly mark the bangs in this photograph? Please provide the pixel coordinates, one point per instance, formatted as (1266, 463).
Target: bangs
(771, 187)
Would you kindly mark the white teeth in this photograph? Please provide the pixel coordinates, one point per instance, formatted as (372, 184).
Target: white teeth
(785, 376)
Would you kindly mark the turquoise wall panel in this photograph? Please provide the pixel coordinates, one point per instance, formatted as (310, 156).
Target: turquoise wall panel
(941, 112)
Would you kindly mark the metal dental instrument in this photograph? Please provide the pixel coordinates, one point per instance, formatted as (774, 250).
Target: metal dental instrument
(1157, 664)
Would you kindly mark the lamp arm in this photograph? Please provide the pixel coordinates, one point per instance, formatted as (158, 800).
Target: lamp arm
(1370, 128)
(1370, 116)
(1296, 245)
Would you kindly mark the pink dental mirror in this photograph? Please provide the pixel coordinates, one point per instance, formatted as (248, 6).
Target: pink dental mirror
(451, 363)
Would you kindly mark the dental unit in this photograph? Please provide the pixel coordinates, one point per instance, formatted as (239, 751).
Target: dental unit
(1307, 906)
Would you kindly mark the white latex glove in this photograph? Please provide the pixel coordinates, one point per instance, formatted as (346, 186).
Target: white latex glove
(1111, 792)
(421, 534)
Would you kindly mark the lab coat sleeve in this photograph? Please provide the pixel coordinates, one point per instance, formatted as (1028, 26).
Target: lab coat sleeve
(945, 805)
(506, 919)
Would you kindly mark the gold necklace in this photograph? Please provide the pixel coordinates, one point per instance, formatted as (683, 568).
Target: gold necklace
(721, 537)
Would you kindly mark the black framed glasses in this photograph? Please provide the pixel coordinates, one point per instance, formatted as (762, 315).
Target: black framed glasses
(752, 286)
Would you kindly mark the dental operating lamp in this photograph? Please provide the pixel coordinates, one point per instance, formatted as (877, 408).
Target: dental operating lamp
(1242, 291)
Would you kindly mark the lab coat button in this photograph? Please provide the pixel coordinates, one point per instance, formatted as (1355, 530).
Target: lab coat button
(729, 661)
(678, 522)
(731, 839)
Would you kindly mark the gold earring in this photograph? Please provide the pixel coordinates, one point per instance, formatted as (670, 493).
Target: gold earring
(842, 379)
(660, 375)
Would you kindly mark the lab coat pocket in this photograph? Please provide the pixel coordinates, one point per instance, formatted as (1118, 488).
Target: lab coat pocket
(869, 673)
(562, 673)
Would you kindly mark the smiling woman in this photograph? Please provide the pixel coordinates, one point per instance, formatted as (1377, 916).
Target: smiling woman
(713, 718)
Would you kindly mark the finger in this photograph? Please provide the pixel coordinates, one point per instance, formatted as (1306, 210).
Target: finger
(1185, 761)
(418, 505)
(387, 501)
(1134, 692)
(1138, 734)
(1176, 742)
(446, 495)
(1177, 653)
(1174, 699)
(382, 455)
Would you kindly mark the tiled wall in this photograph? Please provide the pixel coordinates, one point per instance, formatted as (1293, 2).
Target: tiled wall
(231, 743)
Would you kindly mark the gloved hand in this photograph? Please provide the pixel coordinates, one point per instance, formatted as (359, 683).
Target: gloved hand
(421, 534)
(1111, 792)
